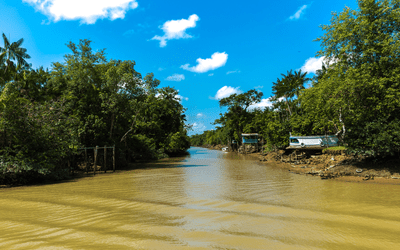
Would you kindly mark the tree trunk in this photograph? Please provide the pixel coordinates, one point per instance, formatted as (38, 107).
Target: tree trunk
(112, 124)
(290, 112)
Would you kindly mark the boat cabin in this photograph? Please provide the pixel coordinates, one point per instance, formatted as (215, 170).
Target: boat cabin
(313, 141)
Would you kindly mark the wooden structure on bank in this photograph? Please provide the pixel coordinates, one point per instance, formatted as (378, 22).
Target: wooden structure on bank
(250, 138)
(95, 157)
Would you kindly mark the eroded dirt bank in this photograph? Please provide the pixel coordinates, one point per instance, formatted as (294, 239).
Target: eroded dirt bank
(341, 167)
(333, 165)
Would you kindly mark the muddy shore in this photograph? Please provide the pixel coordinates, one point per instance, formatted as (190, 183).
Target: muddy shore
(335, 165)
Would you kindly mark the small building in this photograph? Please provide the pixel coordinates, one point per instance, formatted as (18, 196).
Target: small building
(250, 138)
(250, 143)
(314, 141)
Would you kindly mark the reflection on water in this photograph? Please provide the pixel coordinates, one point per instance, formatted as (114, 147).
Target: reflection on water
(207, 200)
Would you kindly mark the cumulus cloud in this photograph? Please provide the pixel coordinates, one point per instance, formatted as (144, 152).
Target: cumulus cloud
(298, 13)
(226, 91)
(199, 115)
(313, 64)
(261, 105)
(87, 11)
(175, 78)
(203, 65)
(176, 29)
(264, 103)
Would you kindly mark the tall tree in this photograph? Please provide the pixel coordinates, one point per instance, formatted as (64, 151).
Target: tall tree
(364, 81)
(13, 52)
(238, 116)
(289, 86)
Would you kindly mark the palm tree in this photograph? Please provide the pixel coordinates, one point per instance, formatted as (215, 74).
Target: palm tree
(283, 88)
(11, 52)
(289, 86)
(299, 80)
(320, 73)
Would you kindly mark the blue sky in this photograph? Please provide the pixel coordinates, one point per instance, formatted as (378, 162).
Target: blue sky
(205, 49)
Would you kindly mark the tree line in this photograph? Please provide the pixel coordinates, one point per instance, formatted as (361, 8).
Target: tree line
(86, 100)
(355, 95)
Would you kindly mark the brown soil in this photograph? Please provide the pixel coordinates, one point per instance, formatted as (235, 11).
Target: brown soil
(333, 165)
(341, 167)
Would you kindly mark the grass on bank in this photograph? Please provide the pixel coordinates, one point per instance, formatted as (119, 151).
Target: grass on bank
(337, 148)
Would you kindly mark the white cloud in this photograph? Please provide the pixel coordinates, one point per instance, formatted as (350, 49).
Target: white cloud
(180, 98)
(231, 72)
(226, 91)
(175, 78)
(198, 127)
(176, 97)
(87, 11)
(313, 64)
(203, 65)
(298, 13)
(199, 115)
(176, 29)
(211, 74)
(264, 103)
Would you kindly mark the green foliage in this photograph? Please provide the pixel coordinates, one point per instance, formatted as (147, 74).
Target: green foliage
(363, 82)
(10, 53)
(115, 106)
(355, 95)
(271, 126)
(35, 137)
(86, 100)
(289, 86)
(238, 116)
(198, 139)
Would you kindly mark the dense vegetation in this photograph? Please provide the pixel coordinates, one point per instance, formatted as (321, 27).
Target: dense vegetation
(87, 100)
(356, 94)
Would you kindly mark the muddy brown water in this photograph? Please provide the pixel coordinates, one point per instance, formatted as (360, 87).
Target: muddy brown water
(208, 200)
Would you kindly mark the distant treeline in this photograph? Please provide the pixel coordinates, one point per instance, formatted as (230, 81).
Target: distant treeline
(355, 95)
(86, 100)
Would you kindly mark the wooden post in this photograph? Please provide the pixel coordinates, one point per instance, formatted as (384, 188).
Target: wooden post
(105, 159)
(114, 158)
(73, 165)
(86, 162)
(95, 160)
(262, 145)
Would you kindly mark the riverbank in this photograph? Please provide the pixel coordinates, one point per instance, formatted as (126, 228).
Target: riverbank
(80, 171)
(341, 167)
(333, 165)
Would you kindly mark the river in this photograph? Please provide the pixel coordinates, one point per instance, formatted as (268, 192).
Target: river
(206, 200)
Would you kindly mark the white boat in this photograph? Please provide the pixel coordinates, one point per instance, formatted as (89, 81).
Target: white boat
(313, 141)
